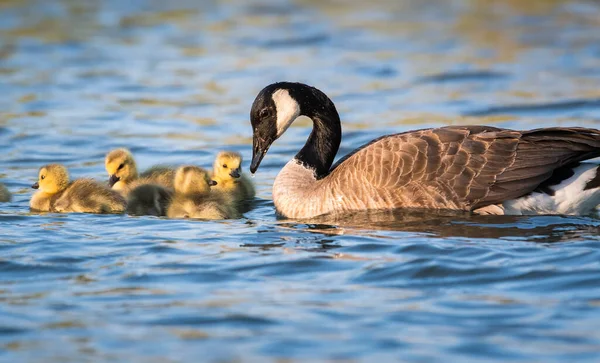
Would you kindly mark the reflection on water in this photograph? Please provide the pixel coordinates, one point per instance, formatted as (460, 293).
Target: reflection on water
(451, 224)
(174, 82)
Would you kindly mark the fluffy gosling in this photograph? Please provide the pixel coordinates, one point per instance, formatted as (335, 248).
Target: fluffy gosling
(194, 199)
(149, 199)
(227, 172)
(124, 177)
(57, 194)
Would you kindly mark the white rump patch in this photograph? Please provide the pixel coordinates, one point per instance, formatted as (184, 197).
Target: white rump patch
(287, 110)
(569, 196)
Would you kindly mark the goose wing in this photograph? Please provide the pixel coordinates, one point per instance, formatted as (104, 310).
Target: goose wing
(467, 167)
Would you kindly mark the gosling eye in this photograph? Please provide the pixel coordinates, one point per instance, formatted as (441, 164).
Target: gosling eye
(121, 166)
(225, 166)
(43, 177)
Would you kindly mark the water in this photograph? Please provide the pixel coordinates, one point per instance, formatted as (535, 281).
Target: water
(174, 82)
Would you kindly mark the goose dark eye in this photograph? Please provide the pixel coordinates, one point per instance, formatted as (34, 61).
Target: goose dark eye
(43, 177)
(225, 165)
(264, 113)
(120, 166)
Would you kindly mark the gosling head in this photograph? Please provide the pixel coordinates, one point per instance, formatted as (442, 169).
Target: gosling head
(228, 164)
(120, 167)
(52, 178)
(192, 180)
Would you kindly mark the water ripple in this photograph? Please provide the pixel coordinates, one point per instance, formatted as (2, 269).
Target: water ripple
(552, 108)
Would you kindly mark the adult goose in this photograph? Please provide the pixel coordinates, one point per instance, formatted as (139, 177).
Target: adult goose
(480, 169)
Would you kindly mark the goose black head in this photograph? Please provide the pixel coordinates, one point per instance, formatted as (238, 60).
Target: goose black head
(273, 111)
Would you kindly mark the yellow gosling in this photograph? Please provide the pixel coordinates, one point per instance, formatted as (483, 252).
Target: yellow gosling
(194, 198)
(5, 195)
(57, 194)
(121, 168)
(227, 172)
(124, 177)
(53, 180)
(149, 199)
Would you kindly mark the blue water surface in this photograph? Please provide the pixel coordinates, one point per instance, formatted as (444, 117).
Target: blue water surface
(174, 82)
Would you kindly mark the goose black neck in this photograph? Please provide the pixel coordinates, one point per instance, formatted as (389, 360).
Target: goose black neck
(324, 140)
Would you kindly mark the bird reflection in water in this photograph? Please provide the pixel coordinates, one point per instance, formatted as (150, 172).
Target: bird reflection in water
(444, 224)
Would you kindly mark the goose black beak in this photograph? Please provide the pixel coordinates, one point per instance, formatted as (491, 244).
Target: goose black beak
(259, 150)
(235, 174)
(212, 183)
(36, 185)
(112, 180)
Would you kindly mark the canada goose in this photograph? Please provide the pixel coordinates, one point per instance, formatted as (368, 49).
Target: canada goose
(149, 199)
(123, 173)
(471, 168)
(194, 199)
(4, 194)
(57, 194)
(227, 172)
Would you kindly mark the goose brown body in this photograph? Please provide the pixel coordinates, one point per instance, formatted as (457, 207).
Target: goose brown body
(469, 168)
(460, 168)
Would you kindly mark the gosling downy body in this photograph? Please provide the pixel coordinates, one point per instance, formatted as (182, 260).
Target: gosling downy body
(194, 199)
(57, 194)
(149, 199)
(480, 169)
(5, 195)
(227, 172)
(124, 177)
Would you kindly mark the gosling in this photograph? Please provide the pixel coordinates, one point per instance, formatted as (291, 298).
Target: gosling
(57, 194)
(123, 173)
(4, 194)
(149, 199)
(194, 199)
(227, 172)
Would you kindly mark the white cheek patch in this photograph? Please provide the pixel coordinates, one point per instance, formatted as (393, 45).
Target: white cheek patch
(287, 110)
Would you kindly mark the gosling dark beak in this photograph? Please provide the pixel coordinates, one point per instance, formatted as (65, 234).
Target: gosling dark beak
(212, 183)
(113, 180)
(36, 185)
(259, 150)
(235, 174)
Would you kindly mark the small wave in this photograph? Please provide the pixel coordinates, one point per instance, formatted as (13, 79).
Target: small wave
(240, 320)
(543, 108)
(462, 77)
(11, 270)
(308, 40)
